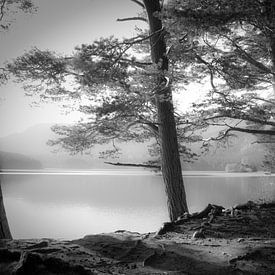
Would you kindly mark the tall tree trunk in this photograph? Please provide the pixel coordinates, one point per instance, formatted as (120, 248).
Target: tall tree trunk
(272, 53)
(4, 226)
(270, 156)
(270, 20)
(171, 166)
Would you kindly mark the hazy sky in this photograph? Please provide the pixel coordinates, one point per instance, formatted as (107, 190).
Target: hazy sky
(58, 25)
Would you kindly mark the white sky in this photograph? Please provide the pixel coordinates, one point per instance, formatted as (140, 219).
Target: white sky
(59, 25)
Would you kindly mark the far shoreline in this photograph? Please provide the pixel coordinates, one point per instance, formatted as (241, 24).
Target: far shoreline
(130, 172)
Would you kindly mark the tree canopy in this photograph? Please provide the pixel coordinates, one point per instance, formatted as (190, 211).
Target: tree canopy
(117, 87)
(231, 43)
(228, 43)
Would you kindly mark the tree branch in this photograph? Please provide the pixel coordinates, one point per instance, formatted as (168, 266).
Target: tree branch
(211, 72)
(247, 57)
(137, 63)
(2, 9)
(144, 38)
(265, 100)
(133, 165)
(242, 117)
(131, 19)
(262, 142)
(138, 3)
(251, 131)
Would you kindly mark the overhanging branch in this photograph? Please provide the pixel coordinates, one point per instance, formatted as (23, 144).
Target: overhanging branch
(133, 165)
(2, 9)
(252, 131)
(138, 3)
(132, 19)
(247, 57)
(225, 134)
(242, 117)
(143, 38)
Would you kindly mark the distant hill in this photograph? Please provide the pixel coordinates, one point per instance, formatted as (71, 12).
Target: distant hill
(32, 143)
(18, 161)
(240, 149)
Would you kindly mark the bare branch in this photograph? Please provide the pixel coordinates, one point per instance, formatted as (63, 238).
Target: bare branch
(252, 131)
(247, 57)
(262, 142)
(222, 136)
(151, 125)
(242, 117)
(210, 68)
(136, 62)
(132, 19)
(2, 9)
(134, 165)
(226, 133)
(265, 100)
(144, 38)
(138, 3)
(121, 54)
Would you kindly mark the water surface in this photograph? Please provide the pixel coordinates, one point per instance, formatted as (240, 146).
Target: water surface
(71, 204)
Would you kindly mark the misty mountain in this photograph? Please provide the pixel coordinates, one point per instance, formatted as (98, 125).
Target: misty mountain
(33, 143)
(18, 161)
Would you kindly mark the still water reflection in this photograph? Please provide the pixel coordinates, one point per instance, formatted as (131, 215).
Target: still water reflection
(59, 205)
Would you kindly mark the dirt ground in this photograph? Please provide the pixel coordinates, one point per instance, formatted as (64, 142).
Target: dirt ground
(240, 240)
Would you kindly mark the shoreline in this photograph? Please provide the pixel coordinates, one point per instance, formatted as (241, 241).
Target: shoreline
(130, 172)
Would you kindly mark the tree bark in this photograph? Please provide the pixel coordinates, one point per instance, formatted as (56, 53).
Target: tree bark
(4, 226)
(171, 166)
(270, 13)
(272, 53)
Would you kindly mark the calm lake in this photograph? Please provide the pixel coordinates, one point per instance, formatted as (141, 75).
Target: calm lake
(72, 204)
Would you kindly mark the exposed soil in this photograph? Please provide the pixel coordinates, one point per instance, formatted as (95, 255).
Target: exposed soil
(240, 240)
